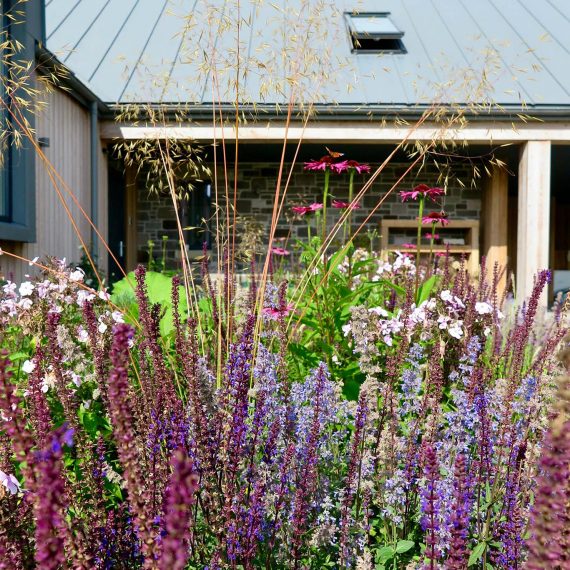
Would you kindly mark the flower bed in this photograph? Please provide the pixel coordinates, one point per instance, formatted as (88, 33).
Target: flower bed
(372, 412)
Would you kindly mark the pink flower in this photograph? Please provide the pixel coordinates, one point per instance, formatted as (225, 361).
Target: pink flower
(409, 245)
(279, 251)
(340, 205)
(304, 210)
(322, 164)
(360, 168)
(435, 218)
(275, 313)
(422, 190)
(431, 236)
(347, 165)
(340, 167)
(328, 161)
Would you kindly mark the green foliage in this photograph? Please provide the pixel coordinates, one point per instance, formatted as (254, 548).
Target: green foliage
(337, 283)
(159, 288)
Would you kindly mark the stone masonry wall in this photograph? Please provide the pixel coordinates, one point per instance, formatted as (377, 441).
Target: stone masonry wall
(256, 183)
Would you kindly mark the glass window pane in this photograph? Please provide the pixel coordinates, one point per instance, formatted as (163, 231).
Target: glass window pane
(4, 202)
(374, 25)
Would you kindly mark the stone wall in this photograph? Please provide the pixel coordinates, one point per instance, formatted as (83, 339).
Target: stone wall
(256, 183)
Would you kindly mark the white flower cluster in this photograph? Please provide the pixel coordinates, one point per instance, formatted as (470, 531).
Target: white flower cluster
(446, 311)
(10, 483)
(377, 268)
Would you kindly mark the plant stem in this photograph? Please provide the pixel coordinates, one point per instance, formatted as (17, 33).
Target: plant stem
(348, 221)
(431, 248)
(324, 228)
(325, 200)
(418, 241)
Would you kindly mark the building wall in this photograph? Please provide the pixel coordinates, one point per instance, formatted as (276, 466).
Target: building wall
(66, 124)
(256, 182)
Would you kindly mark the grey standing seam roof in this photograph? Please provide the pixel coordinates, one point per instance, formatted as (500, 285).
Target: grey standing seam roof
(512, 52)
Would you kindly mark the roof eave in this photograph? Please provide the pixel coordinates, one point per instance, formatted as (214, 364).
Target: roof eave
(344, 112)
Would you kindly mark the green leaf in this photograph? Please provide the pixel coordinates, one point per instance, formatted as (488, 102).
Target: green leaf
(351, 388)
(384, 554)
(397, 288)
(477, 553)
(18, 356)
(404, 546)
(426, 288)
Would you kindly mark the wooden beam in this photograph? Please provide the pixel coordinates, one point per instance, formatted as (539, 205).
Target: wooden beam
(343, 131)
(494, 219)
(533, 232)
(131, 218)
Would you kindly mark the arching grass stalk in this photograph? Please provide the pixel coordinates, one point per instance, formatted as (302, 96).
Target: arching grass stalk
(419, 239)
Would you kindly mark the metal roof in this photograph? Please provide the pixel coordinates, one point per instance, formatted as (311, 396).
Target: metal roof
(511, 52)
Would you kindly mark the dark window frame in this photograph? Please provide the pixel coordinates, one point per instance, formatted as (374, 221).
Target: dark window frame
(19, 164)
(368, 42)
(193, 211)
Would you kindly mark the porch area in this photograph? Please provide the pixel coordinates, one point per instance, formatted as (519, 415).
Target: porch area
(515, 215)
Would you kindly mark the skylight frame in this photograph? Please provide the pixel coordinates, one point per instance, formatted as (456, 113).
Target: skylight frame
(392, 34)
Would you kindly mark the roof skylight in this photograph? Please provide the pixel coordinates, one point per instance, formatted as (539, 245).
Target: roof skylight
(374, 32)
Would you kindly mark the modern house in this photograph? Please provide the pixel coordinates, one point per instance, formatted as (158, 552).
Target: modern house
(491, 73)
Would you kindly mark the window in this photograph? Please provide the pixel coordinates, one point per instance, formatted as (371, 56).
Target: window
(374, 32)
(5, 159)
(17, 172)
(4, 194)
(195, 213)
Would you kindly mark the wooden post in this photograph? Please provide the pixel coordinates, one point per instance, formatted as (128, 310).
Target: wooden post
(131, 218)
(533, 232)
(495, 222)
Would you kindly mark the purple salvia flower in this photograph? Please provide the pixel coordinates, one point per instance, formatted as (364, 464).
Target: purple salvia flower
(50, 505)
(308, 460)
(40, 412)
(253, 518)
(485, 443)
(520, 335)
(123, 420)
(10, 551)
(66, 396)
(429, 507)
(412, 383)
(212, 295)
(549, 545)
(149, 316)
(285, 477)
(99, 360)
(351, 485)
(459, 519)
(178, 506)
(235, 398)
